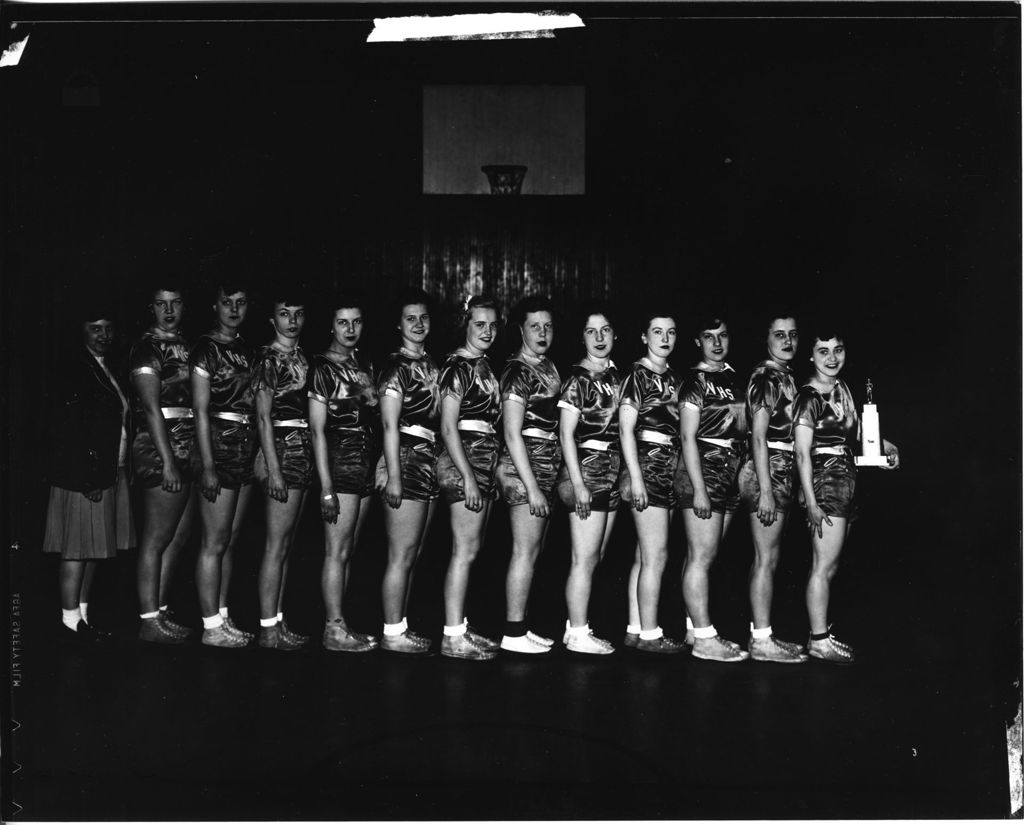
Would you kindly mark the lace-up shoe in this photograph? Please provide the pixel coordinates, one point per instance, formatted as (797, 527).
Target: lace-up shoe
(337, 637)
(231, 627)
(463, 647)
(523, 644)
(830, 650)
(717, 649)
(407, 643)
(483, 642)
(222, 637)
(273, 638)
(291, 635)
(663, 645)
(167, 620)
(536, 638)
(154, 630)
(587, 643)
(772, 650)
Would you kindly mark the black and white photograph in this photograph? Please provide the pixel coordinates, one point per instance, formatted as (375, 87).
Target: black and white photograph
(482, 411)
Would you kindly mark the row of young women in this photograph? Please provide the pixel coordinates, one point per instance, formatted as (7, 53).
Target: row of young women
(217, 416)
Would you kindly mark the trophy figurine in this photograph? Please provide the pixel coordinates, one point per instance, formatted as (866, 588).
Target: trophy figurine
(870, 435)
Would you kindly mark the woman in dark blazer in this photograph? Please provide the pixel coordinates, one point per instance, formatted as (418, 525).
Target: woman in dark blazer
(89, 515)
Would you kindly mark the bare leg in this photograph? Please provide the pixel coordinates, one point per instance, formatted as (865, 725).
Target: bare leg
(652, 538)
(767, 545)
(163, 515)
(405, 528)
(171, 556)
(340, 539)
(71, 574)
(467, 537)
(527, 539)
(588, 540)
(228, 559)
(632, 586)
(703, 537)
(824, 563)
(215, 518)
(281, 520)
(431, 510)
(88, 577)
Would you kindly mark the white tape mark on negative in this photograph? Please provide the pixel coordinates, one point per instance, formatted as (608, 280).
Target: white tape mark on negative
(12, 54)
(393, 29)
(1014, 748)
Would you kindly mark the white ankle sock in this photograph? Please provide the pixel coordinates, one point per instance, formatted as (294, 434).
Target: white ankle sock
(651, 635)
(457, 629)
(271, 622)
(223, 612)
(633, 628)
(212, 622)
(760, 632)
(689, 623)
(71, 618)
(708, 632)
(396, 629)
(582, 630)
(280, 616)
(152, 615)
(163, 608)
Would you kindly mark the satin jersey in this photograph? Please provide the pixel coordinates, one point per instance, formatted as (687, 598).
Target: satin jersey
(414, 382)
(471, 381)
(654, 395)
(536, 387)
(772, 388)
(284, 375)
(167, 359)
(718, 397)
(229, 370)
(348, 390)
(833, 416)
(595, 396)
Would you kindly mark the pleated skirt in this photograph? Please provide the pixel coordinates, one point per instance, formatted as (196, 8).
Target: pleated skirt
(80, 530)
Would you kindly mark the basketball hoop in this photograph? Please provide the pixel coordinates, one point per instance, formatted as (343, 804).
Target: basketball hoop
(504, 179)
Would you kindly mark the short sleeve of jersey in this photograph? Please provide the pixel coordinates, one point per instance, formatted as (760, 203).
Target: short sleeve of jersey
(394, 380)
(322, 382)
(763, 392)
(144, 359)
(203, 360)
(634, 390)
(691, 391)
(265, 375)
(808, 407)
(516, 383)
(572, 394)
(456, 377)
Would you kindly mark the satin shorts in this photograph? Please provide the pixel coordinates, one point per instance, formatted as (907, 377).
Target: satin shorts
(148, 467)
(658, 464)
(481, 451)
(780, 468)
(600, 469)
(545, 459)
(720, 467)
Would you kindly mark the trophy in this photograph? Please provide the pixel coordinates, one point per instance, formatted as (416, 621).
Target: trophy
(870, 435)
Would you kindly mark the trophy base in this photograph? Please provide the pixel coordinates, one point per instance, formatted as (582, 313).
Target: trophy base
(871, 461)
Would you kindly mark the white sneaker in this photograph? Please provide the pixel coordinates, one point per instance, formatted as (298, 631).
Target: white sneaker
(523, 644)
(540, 640)
(587, 643)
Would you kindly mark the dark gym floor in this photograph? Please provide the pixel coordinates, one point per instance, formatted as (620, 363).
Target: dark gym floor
(914, 729)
